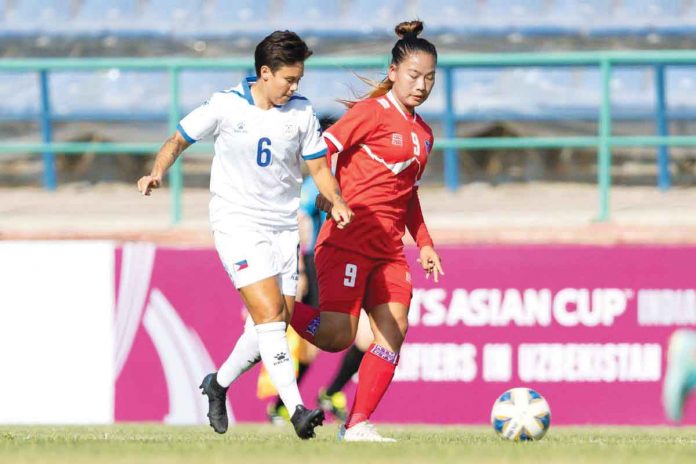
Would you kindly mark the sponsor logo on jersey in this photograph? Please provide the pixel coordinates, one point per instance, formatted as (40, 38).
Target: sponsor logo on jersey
(289, 130)
(241, 265)
(397, 140)
(240, 128)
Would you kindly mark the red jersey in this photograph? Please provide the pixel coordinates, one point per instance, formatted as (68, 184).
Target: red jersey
(382, 155)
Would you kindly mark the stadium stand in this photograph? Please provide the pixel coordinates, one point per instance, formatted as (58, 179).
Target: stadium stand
(488, 94)
(208, 27)
(336, 18)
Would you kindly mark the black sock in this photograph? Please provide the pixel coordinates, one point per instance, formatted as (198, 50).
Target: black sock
(301, 371)
(349, 366)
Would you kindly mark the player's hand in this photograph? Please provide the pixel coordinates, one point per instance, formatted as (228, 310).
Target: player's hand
(341, 213)
(431, 262)
(147, 183)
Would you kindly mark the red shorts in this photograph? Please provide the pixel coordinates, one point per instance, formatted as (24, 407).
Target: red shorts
(349, 281)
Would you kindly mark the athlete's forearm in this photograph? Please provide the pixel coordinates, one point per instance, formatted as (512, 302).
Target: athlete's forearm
(415, 222)
(168, 153)
(325, 181)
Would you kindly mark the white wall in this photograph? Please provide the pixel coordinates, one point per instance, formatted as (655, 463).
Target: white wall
(56, 323)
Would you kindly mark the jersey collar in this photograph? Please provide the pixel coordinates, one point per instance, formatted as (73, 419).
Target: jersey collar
(396, 104)
(246, 88)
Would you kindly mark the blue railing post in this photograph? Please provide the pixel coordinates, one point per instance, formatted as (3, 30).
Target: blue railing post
(49, 160)
(451, 161)
(664, 181)
(176, 176)
(604, 155)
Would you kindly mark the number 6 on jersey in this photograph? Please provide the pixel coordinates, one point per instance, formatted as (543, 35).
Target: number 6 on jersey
(351, 274)
(263, 154)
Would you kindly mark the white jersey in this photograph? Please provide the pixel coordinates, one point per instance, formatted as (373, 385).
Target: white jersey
(255, 177)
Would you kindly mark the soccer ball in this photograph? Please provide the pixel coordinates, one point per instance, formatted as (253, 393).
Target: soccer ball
(521, 414)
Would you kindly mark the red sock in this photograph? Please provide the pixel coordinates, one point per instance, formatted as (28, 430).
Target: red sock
(305, 321)
(375, 374)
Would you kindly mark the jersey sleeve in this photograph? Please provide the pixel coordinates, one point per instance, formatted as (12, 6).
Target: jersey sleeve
(313, 145)
(428, 147)
(353, 127)
(202, 121)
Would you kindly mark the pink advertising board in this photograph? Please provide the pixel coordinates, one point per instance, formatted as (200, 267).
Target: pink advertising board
(586, 326)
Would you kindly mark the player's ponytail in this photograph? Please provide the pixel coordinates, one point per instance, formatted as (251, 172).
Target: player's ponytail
(409, 42)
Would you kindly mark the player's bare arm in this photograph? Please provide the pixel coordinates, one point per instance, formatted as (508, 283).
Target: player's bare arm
(167, 155)
(329, 189)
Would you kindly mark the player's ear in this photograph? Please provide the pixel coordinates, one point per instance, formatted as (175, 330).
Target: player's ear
(266, 72)
(391, 73)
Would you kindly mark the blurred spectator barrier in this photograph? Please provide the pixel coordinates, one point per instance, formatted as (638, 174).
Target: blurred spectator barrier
(445, 104)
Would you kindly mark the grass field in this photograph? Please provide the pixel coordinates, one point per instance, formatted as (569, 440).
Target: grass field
(267, 444)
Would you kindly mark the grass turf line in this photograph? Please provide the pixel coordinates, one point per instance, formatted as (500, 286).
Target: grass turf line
(155, 443)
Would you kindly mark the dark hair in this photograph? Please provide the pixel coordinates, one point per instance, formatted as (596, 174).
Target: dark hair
(408, 43)
(279, 49)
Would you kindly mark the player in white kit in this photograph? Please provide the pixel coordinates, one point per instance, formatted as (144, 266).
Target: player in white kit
(261, 128)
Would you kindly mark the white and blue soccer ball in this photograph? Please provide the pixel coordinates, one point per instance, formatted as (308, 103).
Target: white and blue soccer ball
(521, 414)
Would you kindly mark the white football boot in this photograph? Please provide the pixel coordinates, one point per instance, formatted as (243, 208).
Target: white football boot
(363, 431)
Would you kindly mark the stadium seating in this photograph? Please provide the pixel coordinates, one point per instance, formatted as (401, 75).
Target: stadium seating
(30, 17)
(229, 17)
(338, 18)
(315, 16)
(481, 93)
(98, 17)
(171, 16)
(513, 93)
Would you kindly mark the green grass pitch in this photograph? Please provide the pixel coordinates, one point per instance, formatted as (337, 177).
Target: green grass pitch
(149, 443)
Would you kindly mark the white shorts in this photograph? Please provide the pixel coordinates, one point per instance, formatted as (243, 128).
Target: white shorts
(253, 255)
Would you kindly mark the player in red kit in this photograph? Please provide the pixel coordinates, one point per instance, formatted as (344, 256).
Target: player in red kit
(382, 149)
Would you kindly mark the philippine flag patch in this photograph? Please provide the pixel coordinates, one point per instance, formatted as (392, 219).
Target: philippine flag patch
(241, 265)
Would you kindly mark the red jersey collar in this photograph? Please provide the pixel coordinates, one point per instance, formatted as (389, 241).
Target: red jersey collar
(396, 104)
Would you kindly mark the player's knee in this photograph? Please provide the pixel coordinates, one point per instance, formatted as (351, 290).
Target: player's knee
(337, 342)
(269, 315)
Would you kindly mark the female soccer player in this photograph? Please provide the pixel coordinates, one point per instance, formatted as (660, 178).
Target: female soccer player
(260, 127)
(383, 147)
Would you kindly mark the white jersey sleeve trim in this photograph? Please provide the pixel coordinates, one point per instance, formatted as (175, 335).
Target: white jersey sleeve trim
(333, 140)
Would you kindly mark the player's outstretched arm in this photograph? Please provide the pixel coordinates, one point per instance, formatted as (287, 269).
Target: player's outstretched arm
(167, 155)
(328, 187)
